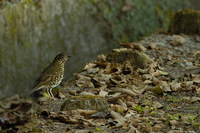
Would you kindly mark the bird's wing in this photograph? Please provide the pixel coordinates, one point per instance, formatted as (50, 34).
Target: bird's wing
(39, 82)
(45, 77)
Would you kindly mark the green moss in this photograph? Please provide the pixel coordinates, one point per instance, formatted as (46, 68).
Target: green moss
(87, 102)
(173, 99)
(137, 59)
(173, 117)
(181, 20)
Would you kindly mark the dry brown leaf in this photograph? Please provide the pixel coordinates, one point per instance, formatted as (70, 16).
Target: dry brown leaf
(152, 67)
(157, 105)
(146, 112)
(133, 45)
(86, 112)
(123, 90)
(155, 81)
(84, 93)
(82, 77)
(101, 57)
(147, 77)
(103, 93)
(165, 86)
(157, 127)
(60, 95)
(118, 118)
(115, 95)
(159, 73)
(69, 130)
(119, 108)
(198, 90)
(157, 89)
(175, 86)
(112, 68)
(194, 99)
(100, 77)
(186, 84)
(178, 40)
(147, 82)
(175, 131)
(197, 53)
(119, 49)
(131, 128)
(89, 66)
(120, 102)
(156, 45)
(174, 123)
(73, 92)
(86, 84)
(92, 70)
(152, 45)
(132, 114)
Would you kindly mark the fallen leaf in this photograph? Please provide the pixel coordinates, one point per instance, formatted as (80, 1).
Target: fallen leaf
(89, 66)
(175, 86)
(60, 95)
(118, 118)
(178, 40)
(157, 105)
(157, 90)
(119, 50)
(122, 90)
(92, 70)
(119, 108)
(133, 45)
(155, 81)
(120, 102)
(173, 123)
(103, 93)
(194, 99)
(158, 127)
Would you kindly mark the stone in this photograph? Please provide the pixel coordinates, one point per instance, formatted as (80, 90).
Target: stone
(136, 58)
(186, 22)
(86, 102)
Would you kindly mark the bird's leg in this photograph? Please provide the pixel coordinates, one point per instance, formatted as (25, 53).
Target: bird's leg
(52, 96)
(48, 92)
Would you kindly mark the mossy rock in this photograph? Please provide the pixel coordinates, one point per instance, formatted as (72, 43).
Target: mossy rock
(185, 21)
(136, 58)
(86, 102)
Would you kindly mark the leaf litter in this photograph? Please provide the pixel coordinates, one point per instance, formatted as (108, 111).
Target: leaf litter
(150, 86)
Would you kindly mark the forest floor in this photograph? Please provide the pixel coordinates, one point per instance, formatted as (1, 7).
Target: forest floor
(161, 96)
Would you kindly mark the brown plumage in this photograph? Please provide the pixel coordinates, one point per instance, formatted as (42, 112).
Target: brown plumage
(51, 76)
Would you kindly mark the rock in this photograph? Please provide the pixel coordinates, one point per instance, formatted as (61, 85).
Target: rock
(137, 59)
(87, 102)
(185, 21)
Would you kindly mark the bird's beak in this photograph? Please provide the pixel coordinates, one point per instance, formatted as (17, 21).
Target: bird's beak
(69, 56)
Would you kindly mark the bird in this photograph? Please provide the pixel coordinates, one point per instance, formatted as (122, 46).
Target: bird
(51, 77)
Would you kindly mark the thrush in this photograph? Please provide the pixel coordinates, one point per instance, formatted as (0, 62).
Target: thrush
(51, 76)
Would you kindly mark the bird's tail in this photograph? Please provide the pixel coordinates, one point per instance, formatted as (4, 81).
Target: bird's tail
(29, 92)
